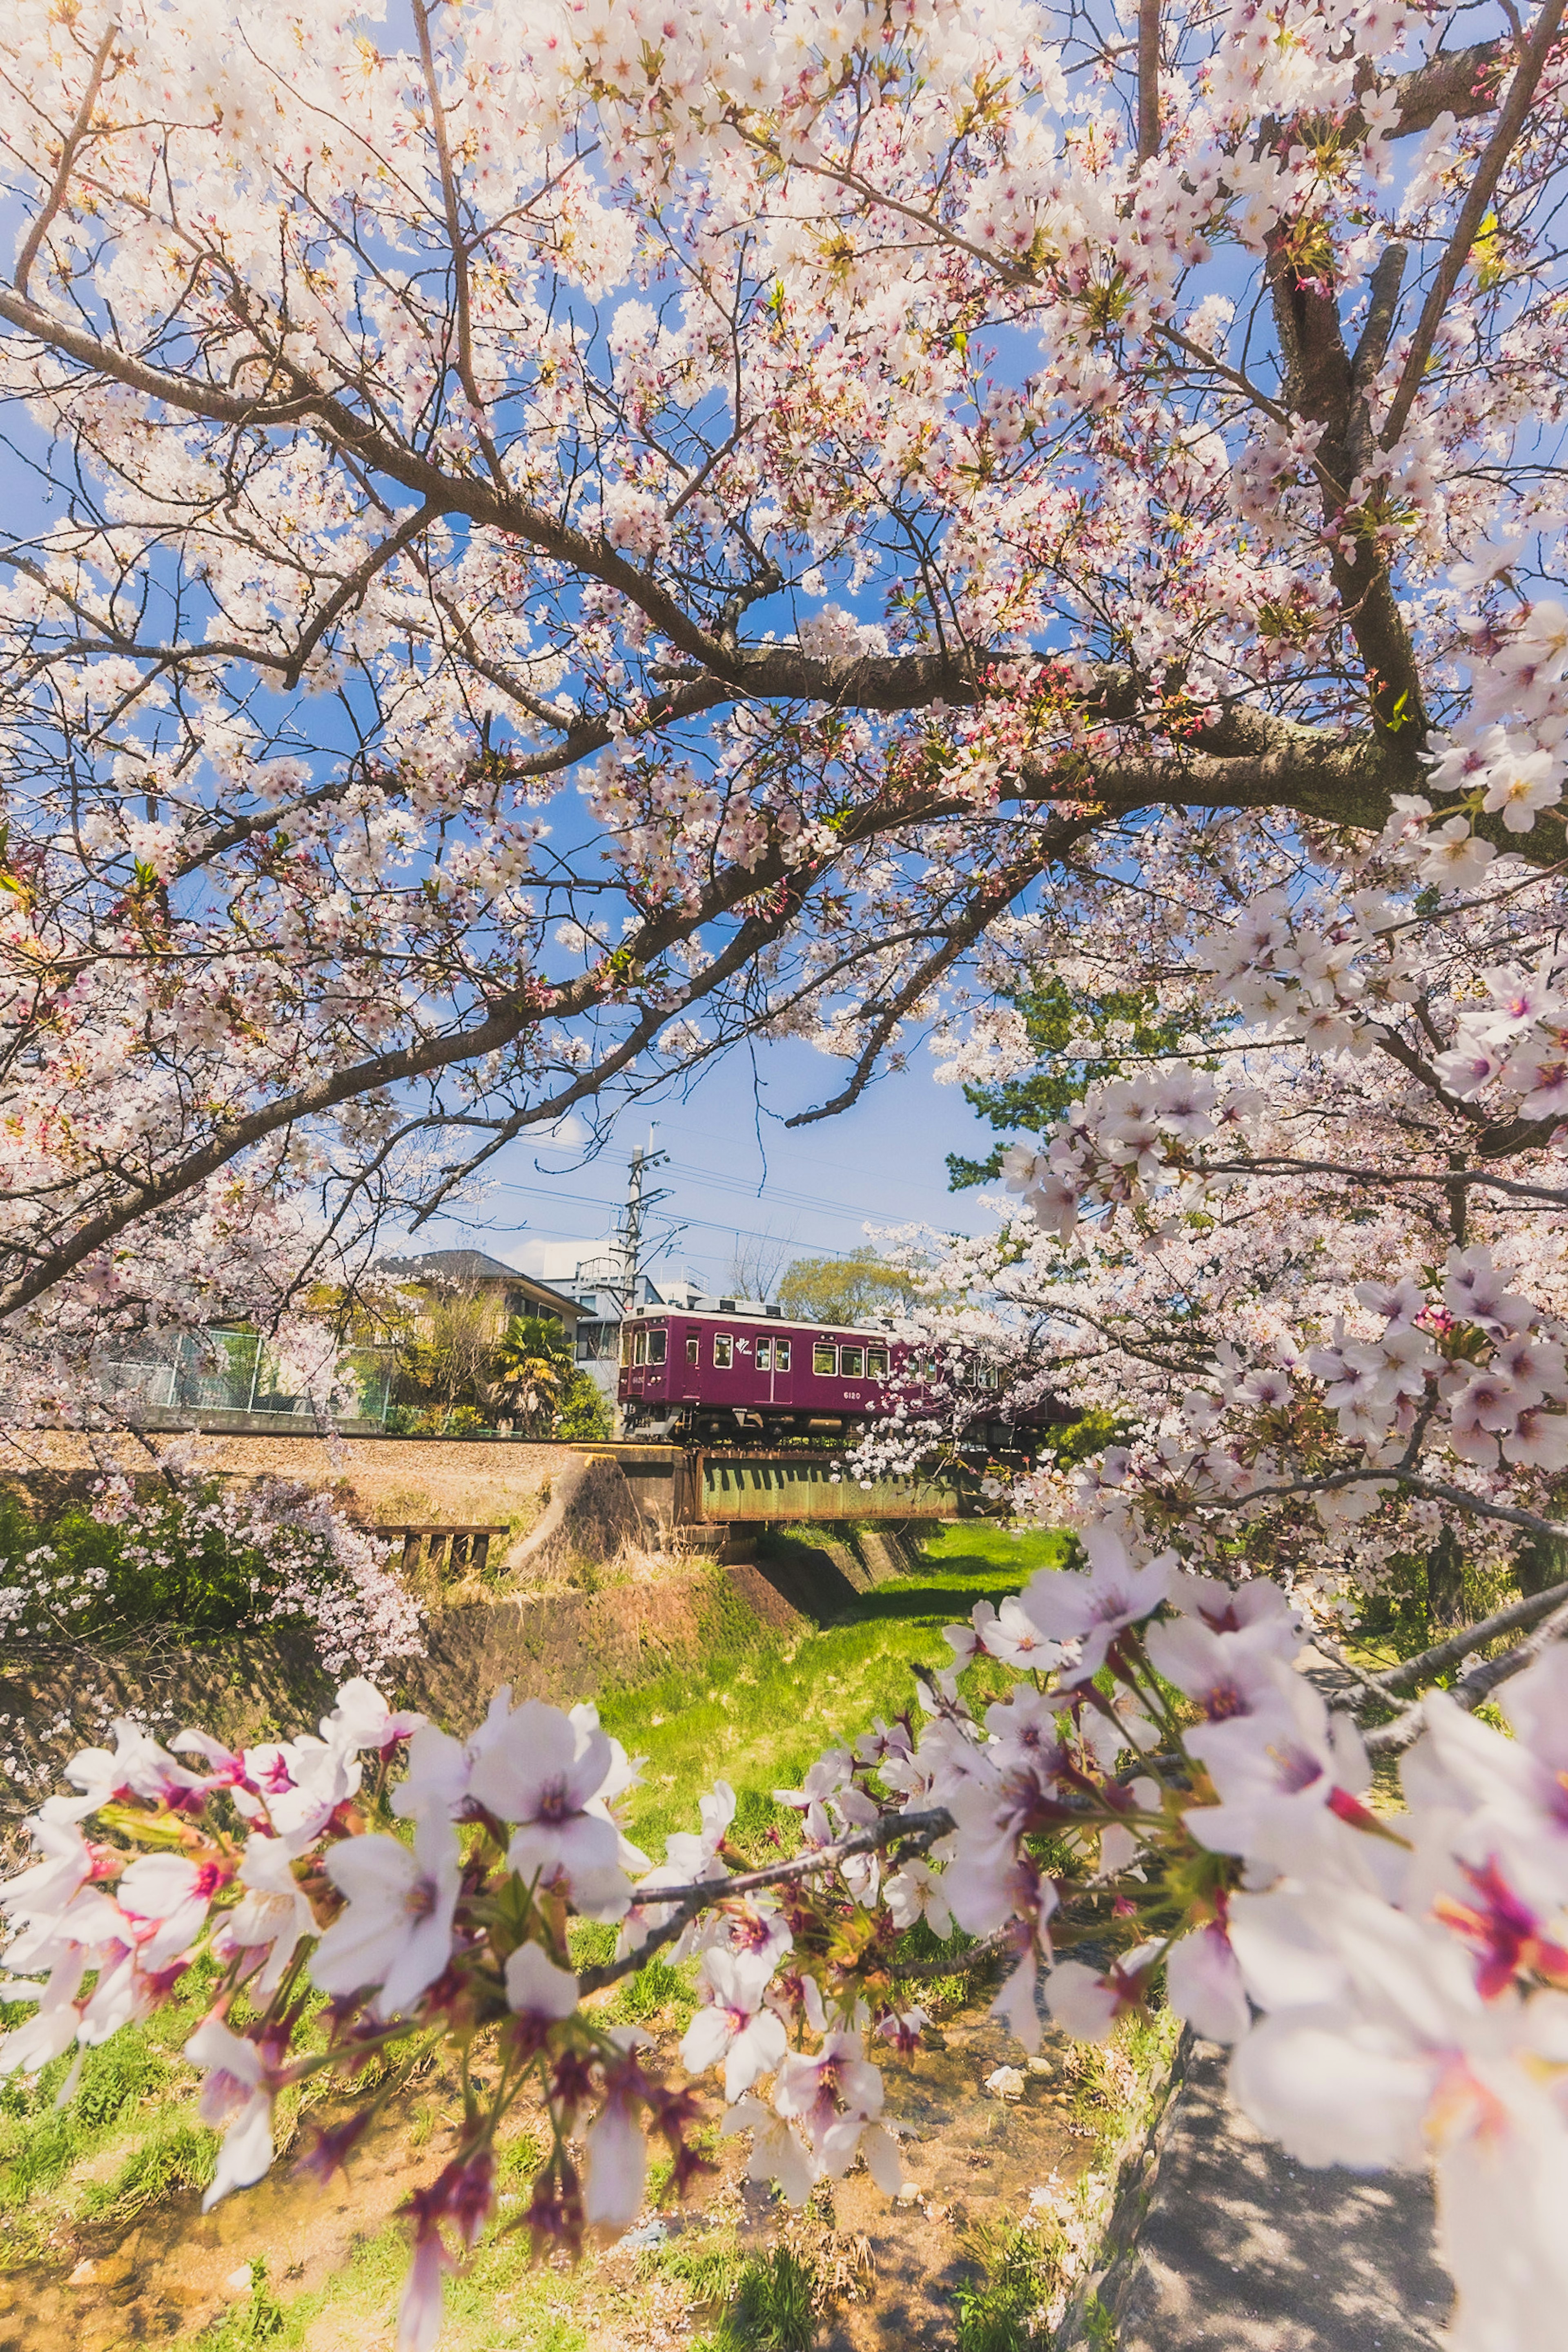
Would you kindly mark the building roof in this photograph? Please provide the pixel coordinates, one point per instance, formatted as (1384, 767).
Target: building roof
(477, 1265)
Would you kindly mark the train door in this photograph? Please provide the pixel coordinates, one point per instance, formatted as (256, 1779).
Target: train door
(782, 1376)
(688, 1364)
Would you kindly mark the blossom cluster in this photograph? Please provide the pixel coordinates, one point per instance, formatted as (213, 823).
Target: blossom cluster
(1158, 1794)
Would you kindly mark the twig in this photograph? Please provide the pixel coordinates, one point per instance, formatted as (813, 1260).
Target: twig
(922, 1830)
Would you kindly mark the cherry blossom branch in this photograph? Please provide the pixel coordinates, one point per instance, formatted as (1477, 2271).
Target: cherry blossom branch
(71, 148)
(1391, 1739)
(922, 1830)
(1449, 1653)
(1277, 1164)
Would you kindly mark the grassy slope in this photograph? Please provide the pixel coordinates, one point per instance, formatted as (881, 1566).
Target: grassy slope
(760, 1719)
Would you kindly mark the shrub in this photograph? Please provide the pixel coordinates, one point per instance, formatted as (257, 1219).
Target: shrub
(584, 1411)
(208, 1559)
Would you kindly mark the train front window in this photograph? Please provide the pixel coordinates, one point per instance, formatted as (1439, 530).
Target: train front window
(693, 1349)
(781, 1355)
(852, 1362)
(764, 1355)
(639, 1348)
(876, 1363)
(658, 1341)
(825, 1362)
(723, 1350)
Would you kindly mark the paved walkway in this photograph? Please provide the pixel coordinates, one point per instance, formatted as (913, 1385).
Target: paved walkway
(1242, 2250)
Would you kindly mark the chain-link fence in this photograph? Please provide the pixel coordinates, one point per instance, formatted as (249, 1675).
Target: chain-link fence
(241, 1372)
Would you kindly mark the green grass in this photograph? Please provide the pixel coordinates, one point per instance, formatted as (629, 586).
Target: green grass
(708, 2265)
(996, 2311)
(761, 1718)
(500, 2302)
(774, 2307)
(135, 2092)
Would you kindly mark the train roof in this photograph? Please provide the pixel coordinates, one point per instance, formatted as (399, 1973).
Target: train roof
(753, 1310)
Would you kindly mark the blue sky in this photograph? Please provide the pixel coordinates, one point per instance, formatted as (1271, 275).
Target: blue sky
(737, 1170)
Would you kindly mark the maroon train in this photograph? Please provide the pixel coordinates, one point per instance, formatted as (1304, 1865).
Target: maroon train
(742, 1371)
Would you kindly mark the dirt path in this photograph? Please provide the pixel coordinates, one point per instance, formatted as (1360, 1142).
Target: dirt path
(974, 2163)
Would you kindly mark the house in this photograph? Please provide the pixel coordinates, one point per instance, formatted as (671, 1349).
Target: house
(472, 1273)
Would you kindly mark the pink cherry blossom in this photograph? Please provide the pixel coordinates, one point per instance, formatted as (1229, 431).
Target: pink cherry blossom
(395, 1931)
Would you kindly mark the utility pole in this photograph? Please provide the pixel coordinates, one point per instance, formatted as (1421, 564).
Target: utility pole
(637, 1201)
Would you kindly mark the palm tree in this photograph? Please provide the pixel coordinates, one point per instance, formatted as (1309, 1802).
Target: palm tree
(532, 1366)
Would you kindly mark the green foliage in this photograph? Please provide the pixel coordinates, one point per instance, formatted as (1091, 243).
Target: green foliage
(996, 2312)
(533, 1369)
(584, 1415)
(1399, 1620)
(1053, 1015)
(859, 1288)
(774, 2309)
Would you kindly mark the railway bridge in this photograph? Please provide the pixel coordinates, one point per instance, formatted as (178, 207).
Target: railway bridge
(742, 1489)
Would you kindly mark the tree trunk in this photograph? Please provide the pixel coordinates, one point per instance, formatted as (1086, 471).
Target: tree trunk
(1540, 1561)
(1446, 1580)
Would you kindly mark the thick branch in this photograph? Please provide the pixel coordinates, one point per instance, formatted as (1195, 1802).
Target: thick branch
(1472, 212)
(1149, 79)
(1390, 1739)
(1514, 1618)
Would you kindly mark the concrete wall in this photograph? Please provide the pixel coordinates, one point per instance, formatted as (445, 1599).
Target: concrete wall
(396, 1478)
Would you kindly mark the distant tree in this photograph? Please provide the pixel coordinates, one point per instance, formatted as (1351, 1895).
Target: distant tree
(755, 1265)
(449, 1361)
(1075, 1036)
(854, 1289)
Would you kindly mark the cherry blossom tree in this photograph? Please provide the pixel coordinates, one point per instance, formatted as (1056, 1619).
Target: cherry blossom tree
(601, 532)
(543, 550)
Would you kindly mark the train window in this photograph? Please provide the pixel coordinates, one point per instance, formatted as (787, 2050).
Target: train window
(658, 1341)
(781, 1355)
(693, 1349)
(852, 1362)
(876, 1363)
(625, 1343)
(764, 1355)
(824, 1360)
(723, 1349)
(639, 1348)
(985, 1376)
